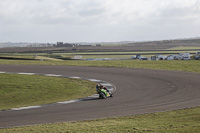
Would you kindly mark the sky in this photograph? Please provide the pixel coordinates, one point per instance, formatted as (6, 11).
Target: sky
(98, 20)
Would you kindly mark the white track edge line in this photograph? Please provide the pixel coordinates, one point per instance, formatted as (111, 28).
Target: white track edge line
(64, 102)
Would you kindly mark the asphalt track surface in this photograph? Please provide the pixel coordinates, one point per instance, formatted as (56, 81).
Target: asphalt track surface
(138, 91)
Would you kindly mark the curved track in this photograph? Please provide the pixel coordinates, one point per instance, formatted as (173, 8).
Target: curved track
(138, 91)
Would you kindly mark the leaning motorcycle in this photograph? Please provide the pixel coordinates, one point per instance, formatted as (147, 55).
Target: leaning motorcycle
(103, 94)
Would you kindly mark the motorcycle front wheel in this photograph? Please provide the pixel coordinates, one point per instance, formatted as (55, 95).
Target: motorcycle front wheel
(102, 95)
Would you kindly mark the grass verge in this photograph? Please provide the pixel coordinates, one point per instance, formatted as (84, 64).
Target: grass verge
(26, 90)
(174, 121)
(182, 65)
(183, 121)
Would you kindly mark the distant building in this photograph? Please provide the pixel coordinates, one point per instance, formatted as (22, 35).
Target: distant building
(98, 45)
(61, 44)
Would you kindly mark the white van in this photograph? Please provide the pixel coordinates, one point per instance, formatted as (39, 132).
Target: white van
(185, 56)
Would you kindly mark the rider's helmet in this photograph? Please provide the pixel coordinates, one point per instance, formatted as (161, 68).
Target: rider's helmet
(98, 86)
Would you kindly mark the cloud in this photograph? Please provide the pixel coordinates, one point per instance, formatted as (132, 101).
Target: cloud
(49, 11)
(130, 19)
(110, 11)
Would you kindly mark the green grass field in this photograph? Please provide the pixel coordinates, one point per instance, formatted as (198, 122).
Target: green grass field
(179, 121)
(182, 65)
(27, 90)
(187, 120)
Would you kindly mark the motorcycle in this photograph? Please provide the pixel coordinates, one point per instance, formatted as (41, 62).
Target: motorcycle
(103, 94)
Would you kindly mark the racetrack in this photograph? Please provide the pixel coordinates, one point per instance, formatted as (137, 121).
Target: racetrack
(138, 91)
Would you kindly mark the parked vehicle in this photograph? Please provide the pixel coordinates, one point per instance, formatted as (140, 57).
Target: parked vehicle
(133, 57)
(177, 57)
(170, 57)
(138, 56)
(195, 57)
(185, 56)
(143, 58)
(158, 57)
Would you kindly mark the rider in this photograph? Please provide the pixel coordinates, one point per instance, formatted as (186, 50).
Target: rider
(98, 86)
(103, 87)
